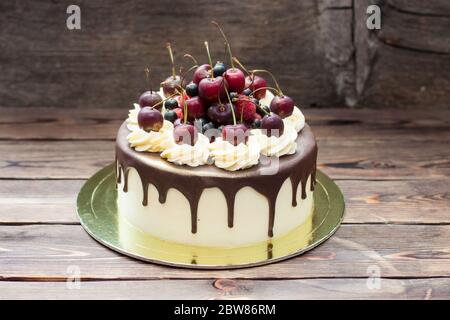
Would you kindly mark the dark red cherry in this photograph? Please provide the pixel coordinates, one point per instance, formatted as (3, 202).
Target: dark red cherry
(202, 72)
(258, 82)
(185, 134)
(235, 79)
(272, 125)
(149, 99)
(195, 108)
(211, 89)
(172, 84)
(221, 114)
(282, 106)
(150, 119)
(235, 134)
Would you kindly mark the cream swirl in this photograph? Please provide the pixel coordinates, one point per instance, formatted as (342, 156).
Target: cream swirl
(132, 120)
(193, 156)
(153, 141)
(277, 146)
(232, 158)
(295, 120)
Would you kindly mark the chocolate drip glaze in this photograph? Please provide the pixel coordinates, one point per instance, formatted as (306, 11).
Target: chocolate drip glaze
(191, 182)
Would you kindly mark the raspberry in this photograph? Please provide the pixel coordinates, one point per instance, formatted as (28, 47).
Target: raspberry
(245, 107)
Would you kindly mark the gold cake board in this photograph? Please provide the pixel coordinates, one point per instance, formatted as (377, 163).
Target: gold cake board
(99, 215)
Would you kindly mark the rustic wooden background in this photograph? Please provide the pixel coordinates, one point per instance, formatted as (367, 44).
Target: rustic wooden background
(320, 49)
(392, 165)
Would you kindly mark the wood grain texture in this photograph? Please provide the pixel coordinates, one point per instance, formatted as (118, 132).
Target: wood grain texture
(320, 50)
(384, 202)
(417, 289)
(102, 64)
(369, 159)
(45, 252)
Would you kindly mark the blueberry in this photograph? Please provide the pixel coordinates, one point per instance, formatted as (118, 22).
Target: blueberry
(256, 124)
(247, 91)
(262, 110)
(170, 116)
(208, 126)
(233, 95)
(192, 89)
(219, 69)
(171, 104)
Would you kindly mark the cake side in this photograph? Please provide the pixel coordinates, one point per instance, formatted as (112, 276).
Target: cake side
(208, 206)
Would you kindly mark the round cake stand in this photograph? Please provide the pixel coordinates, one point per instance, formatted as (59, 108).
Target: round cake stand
(99, 215)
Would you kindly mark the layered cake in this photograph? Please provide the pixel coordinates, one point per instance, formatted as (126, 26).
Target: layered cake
(224, 160)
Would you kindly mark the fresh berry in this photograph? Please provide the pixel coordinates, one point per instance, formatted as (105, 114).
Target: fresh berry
(149, 99)
(150, 119)
(256, 124)
(195, 108)
(262, 110)
(185, 134)
(220, 113)
(202, 72)
(181, 99)
(233, 95)
(246, 107)
(208, 126)
(255, 82)
(179, 112)
(235, 134)
(172, 84)
(211, 89)
(170, 116)
(219, 69)
(282, 106)
(235, 79)
(247, 91)
(171, 104)
(273, 125)
(192, 89)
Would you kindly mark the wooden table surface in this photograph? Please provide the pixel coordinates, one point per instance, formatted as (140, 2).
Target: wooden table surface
(393, 167)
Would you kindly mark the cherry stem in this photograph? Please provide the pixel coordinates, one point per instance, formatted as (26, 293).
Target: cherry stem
(182, 74)
(169, 47)
(240, 65)
(231, 105)
(164, 100)
(269, 88)
(184, 106)
(209, 58)
(226, 41)
(147, 75)
(273, 78)
(251, 75)
(187, 55)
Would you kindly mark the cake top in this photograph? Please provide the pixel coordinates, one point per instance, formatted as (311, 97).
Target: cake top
(227, 117)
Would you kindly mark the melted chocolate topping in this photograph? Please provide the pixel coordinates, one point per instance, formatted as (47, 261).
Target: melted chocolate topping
(191, 182)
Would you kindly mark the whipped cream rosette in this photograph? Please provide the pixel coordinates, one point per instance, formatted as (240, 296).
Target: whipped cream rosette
(185, 154)
(277, 146)
(230, 157)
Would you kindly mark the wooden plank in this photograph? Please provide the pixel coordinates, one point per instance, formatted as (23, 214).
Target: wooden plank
(95, 123)
(410, 201)
(417, 289)
(102, 64)
(418, 7)
(41, 252)
(405, 29)
(405, 63)
(342, 158)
